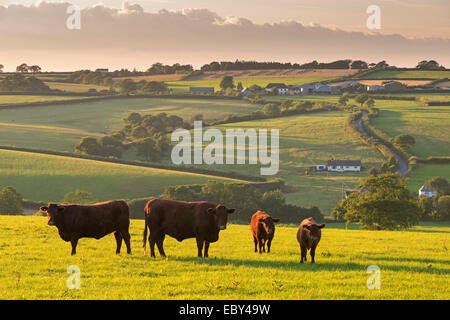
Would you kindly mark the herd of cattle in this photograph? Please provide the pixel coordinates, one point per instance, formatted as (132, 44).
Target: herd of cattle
(181, 220)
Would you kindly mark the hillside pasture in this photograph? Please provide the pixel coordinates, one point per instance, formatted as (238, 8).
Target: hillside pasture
(20, 99)
(41, 177)
(75, 87)
(413, 264)
(274, 73)
(408, 74)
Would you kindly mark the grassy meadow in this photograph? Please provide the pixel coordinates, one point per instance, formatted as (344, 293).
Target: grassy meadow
(18, 99)
(48, 178)
(413, 264)
(408, 74)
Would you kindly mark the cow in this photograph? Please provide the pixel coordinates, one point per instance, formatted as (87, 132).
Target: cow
(263, 230)
(308, 236)
(75, 221)
(182, 220)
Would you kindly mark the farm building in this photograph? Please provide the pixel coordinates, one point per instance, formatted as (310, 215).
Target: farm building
(101, 70)
(201, 89)
(322, 88)
(424, 191)
(375, 88)
(294, 91)
(281, 88)
(305, 88)
(344, 165)
(246, 92)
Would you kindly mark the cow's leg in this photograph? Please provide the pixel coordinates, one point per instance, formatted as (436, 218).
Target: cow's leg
(313, 254)
(160, 243)
(264, 244)
(256, 243)
(126, 237)
(302, 254)
(152, 241)
(260, 244)
(118, 237)
(206, 243)
(74, 242)
(269, 243)
(200, 247)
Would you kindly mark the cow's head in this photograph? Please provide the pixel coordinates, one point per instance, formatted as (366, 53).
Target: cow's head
(220, 213)
(314, 230)
(268, 223)
(53, 213)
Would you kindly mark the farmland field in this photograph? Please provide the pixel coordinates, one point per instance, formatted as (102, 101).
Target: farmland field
(424, 172)
(274, 73)
(413, 264)
(99, 117)
(408, 74)
(41, 177)
(75, 87)
(13, 99)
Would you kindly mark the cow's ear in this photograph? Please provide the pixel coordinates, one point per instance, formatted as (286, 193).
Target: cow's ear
(43, 209)
(321, 225)
(61, 209)
(276, 219)
(212, 211)
(230, 211)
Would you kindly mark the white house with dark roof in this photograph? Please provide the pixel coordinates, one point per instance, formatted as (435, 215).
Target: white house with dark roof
(424, 191)
(281, 88)
(344, 165)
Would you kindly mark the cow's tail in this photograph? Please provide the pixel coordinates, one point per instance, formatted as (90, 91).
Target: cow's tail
(144, 244)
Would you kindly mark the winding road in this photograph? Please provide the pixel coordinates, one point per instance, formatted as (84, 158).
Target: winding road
(402, 163)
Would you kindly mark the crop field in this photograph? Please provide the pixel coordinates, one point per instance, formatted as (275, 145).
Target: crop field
(41, 177)
(413, 264)
(62, 126)
(75, 87)
(408, 74)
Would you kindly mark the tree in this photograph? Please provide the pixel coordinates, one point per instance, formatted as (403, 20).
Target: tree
(1, 67)
(428, 207)
(10, 201)
(438, 184)
(428, 65)
(373, 171)
(385, 205)
(133, 118)
(271, 110)
(239, 86)
(358, 64)
(369, 103)
(443, 208)
(22, 68)
(126, 86)
(147, 148)
(405, 141)
(79, 196)
(88, 145)
(227, 82)
(344, 99)
(361, 98)
(34, 68)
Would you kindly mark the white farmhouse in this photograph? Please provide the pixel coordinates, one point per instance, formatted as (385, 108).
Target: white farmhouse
(344, 165)
(424, 191)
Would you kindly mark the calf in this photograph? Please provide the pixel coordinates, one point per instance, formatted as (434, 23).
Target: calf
(76, 221)
(182, 220)
(308, 236)
(263, 230)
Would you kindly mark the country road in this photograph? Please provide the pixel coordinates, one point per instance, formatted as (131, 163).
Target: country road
(402, 163)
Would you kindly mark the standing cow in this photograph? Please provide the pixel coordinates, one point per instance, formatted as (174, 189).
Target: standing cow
(182, 220)
(76, 221)
(308, 236)
(263, 230)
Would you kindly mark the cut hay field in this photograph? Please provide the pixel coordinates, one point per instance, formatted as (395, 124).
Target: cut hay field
(413, 264)
(41, 177)
(408, 74)
(64, 125)
(274, 73)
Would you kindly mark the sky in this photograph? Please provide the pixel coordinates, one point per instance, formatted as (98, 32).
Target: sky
(137, 34)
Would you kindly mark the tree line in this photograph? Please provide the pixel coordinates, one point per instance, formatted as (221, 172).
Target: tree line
(19, 83)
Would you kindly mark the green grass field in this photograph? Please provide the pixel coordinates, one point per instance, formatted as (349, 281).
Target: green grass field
(424, 172)
(413, 264)
(47, 178)
(13, 99)
(75, 87)
(69, 123)
(408, 74)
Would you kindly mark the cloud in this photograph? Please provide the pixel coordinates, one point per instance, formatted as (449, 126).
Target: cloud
(191, 36)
